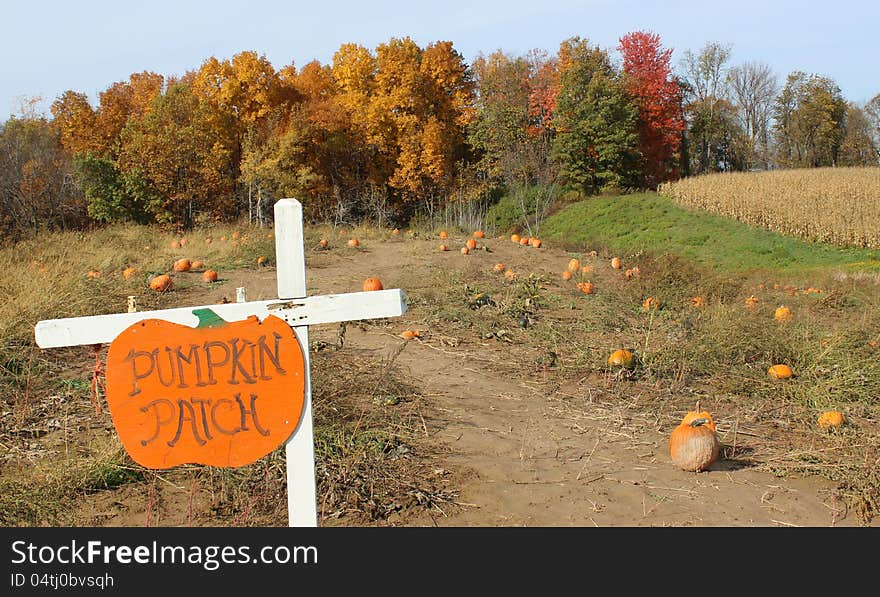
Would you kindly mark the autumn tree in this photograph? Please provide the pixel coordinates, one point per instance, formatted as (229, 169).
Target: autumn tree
(120, 102)
(502, 113)
(242, 92)
(178, 158)
(753, 89)
(858, 147)
(711, 132)
(872, 112)
(36, 190)
(512, 132)
(311, 152)
(420, 104)
(245, 87)
(596, 140)
(658, 97)
(74, 118)
(809, 119)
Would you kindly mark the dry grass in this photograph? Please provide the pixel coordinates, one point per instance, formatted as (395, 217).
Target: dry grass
(834, 205)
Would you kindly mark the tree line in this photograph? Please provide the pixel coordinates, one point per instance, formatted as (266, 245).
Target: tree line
(403, 130)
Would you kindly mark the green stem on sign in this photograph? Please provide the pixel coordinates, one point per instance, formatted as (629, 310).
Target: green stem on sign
(208, 319)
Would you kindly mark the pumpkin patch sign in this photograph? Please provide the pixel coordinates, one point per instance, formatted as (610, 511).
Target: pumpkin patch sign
(223, 393)
(228, 383)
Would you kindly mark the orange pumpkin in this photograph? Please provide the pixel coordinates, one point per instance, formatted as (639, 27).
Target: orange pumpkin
(514, 238)
(510, 274)
(471, 243)
(537, 243)
(831, 418)
(176, 394)
(752, 302)
(443, 234)
(236, 235)
(444, 248)
(782, 313)
(262, 259)
(586, 270)
(566, 275)
(94, 274)
(587, 287)
(523, 241)
(323, 243)
(621, 358)
(372, 283)
(223, 238)
(353, 242)
(209, 275)
(197, 264)
(615, 263)
(592, 254)
(395, 232)
(182, 265)
(479, 234)
(128, 272)
(780, 372)
(410, 334)
(161, 283)
(208, 240)
(574, 265)
(498, 267)
(694, 446)
(698, 301)
(465, 251)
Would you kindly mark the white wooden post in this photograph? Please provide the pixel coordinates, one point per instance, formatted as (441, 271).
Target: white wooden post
(292, 305)
(300, 449)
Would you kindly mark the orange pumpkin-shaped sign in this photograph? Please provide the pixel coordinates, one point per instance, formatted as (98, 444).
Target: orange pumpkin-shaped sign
(221, 394)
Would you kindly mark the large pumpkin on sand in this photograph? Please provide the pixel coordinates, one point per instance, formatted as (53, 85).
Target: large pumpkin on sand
(221, 394)
(694, 445)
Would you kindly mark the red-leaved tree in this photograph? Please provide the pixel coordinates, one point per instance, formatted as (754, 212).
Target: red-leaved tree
(648, 79)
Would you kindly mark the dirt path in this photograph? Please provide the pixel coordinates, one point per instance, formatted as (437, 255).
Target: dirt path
(529, 451)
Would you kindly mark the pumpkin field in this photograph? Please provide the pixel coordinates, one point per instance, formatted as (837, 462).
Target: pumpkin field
(554, 379)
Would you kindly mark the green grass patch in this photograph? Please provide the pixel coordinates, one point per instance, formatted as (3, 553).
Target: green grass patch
(652, 222)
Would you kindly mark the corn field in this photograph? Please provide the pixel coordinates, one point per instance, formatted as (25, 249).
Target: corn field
(833, 205)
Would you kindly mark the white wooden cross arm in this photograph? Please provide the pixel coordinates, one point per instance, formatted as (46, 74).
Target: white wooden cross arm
(292, 305)
(330, 308)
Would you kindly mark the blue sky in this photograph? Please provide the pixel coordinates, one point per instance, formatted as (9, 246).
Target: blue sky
(48, 47)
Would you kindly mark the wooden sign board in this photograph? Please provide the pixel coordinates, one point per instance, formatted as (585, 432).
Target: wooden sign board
(222, 394)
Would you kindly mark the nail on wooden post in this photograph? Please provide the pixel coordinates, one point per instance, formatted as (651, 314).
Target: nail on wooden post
(132, 303)
(240, 295)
